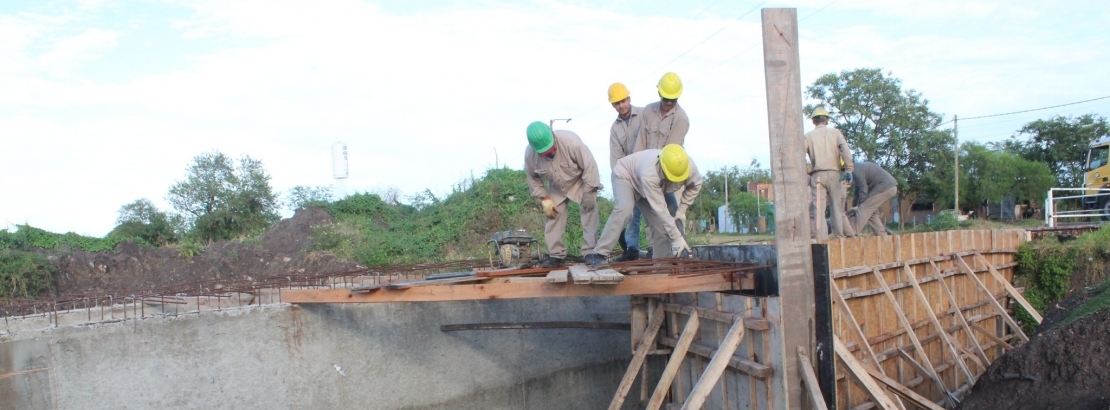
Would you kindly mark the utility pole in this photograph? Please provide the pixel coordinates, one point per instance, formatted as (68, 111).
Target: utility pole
(956, 133)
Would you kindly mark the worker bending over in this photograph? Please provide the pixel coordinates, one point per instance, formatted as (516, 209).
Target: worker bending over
(622, 142)
(640, 180)
(873, 188)
(826, 149)
(560, 167)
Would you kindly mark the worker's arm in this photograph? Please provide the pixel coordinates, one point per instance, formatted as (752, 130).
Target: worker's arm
(658, 203)
(845, 153)
(591, 179)
(535, 183)
(616, 149)
(679, 127)
(641, 139)
(693, 187)
(862, 190)
(809, 154)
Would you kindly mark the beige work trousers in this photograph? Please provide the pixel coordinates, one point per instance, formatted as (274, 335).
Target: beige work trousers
(624, 196)
(555, 228)
(868, 212)
(833, 196)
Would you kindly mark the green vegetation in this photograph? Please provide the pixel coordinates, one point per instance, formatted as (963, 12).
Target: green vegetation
(1046, 269)
(375, 232)
(27, 237)
(24, 274)
(713, 191)
(224, 199)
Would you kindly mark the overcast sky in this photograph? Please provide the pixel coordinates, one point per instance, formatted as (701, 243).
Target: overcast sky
(106, 102)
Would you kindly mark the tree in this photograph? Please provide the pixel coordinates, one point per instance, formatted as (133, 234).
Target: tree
(991, 175)
(142, 220)
(1061, 143)
(745, 209)
(301, 196)
(221, 198)
(891, 127)
(712, 194)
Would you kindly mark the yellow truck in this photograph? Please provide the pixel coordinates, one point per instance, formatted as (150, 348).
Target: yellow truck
(1096, 180)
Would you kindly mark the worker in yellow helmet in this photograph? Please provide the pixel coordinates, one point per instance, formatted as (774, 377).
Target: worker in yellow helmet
(560, 168)
(640, 180)
(622, 141)
(828, 153)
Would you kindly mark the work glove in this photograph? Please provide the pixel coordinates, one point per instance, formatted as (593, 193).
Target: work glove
(847, 177)
(852, 212)
(589, 201)
(680, 249)
(549, 208)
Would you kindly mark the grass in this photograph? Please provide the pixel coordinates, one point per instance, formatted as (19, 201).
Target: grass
(1098, 302)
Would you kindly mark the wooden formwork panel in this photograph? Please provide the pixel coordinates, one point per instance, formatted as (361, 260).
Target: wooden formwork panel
(877, 317)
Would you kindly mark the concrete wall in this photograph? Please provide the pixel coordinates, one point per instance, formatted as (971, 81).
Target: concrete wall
(373, 356)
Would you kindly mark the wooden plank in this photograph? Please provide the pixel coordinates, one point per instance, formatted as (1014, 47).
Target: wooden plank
(365, 288)
(716, 367)
(936, 323)
(990, 335)
(998, 306)
(581, 275)
(846, 314)
(511, 272)
(632, 285)
(861, 375)
(418, 283)
(745, 366)
(782, 75)
(959, 314)
(678, 355)
(863, 269)
(752, 323)
(931, 371)
(924, 372)
(809, 379)
(906, 393)
(1010, 288)
(557, 276)
(646, 344)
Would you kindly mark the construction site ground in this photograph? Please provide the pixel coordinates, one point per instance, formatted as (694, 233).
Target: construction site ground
(1061, 367)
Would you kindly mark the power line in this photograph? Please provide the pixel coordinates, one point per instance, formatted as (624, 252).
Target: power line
(1031, 110)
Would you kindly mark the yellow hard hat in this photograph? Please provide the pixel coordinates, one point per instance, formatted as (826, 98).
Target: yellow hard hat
(670, 86)
(617, 92)
(675, 163)
(819, 112)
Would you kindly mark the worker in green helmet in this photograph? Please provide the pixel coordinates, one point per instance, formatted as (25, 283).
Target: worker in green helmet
(561, 168)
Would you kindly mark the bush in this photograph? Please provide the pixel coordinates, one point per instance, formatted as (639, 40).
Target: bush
(27, 237)
(24, 274)
(1046, 269)
(945, 221)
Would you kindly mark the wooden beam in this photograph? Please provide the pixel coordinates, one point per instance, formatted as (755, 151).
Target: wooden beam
(809, 379)
(646, 344)
(860, 374)
(998, 306)
(924, 373)
(906, 393)
(689, 333)
(936, 323)
(752, 323)
(846, 314)
(1010, 288)
(632, 285)
(794, 257)
(751, 368)
(930, 370)
(956, 311)
(991, 336)
(715, 368)
(857, 293)
(432, 282)
(864, 269)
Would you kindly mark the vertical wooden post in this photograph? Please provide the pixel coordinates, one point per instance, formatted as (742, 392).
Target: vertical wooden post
(792, 232)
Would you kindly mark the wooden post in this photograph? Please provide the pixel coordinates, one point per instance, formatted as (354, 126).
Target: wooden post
(792, 232)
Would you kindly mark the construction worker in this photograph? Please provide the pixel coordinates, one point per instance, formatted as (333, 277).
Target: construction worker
(622, 141)
(827, 150)
(664, 122)
(640, 180)
(560, 168)
(873, 188)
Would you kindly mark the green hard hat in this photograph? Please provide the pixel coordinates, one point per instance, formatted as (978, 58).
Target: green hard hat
(540, 137)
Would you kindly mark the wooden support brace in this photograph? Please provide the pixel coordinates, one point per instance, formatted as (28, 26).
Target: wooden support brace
(716, 367)
(936, 324)
(998, 306)
(860, 374)
(930, 371)
(1010, 288)
(809, 378)
(990, 335)
(847, 314)
(905, 392)
(646, 344)
(689, 332)
(955, 307)
(921, 370)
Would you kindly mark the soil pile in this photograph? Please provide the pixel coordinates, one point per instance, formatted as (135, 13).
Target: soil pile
(283, 249)
(1061, 367)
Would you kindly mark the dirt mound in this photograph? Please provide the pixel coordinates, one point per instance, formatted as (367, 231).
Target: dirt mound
(1059, 368)
(280, 250)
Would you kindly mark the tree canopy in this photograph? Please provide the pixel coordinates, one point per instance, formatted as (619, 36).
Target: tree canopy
(712, 194)
(1061, 143)
(989, 175)
(221, 198)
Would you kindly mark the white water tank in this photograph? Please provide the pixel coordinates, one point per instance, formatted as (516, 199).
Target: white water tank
(339, 160)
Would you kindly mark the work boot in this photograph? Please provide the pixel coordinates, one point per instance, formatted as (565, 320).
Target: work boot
(551, 262)
(595, 260)
(629, 254)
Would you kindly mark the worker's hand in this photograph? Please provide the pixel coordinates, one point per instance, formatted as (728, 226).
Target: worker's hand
(852, 212)
(847, 177)
(589, 201)
(809, 169)
(549, 208)
(680, 249)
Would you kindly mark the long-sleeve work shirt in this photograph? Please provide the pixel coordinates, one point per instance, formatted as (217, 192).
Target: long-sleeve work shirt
(572, 172)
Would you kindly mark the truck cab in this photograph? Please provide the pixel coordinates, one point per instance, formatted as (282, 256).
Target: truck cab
(1097, 177)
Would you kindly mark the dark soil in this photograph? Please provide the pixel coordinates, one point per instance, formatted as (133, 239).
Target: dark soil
(1061, 367)
(283, 249)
